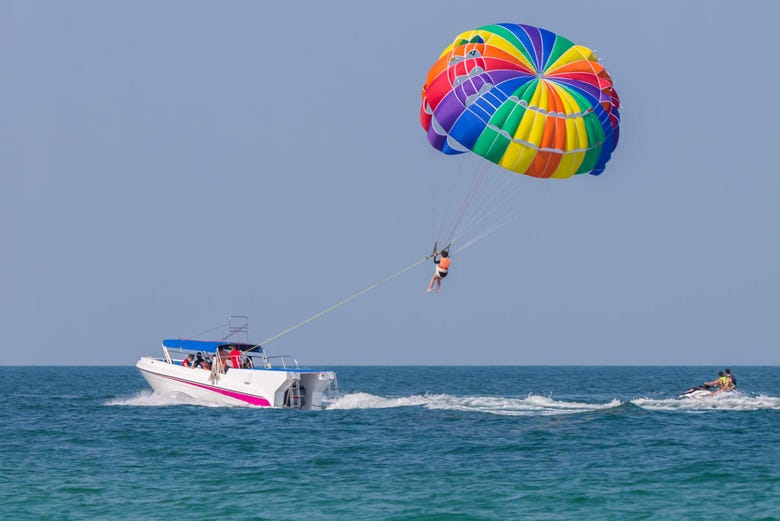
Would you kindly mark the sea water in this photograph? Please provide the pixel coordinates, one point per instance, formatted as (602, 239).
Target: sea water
(402, 443)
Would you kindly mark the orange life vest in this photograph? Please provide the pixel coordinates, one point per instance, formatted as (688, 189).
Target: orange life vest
(444, 263)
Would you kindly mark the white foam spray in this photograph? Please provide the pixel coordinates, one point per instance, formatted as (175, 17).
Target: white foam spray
(531, 405)
(734, 401)
(152, 399)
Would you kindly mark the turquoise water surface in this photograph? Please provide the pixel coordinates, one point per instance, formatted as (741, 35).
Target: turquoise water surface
(402, 443)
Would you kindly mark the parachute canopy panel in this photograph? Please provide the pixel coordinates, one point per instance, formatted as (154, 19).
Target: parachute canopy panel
(524, 98)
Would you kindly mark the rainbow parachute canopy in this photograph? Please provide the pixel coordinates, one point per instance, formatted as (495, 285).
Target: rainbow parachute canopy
(524, 98)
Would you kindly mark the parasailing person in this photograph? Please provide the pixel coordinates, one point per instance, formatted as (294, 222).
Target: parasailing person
(442, 267)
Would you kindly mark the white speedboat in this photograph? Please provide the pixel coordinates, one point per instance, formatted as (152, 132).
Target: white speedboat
(236, 373)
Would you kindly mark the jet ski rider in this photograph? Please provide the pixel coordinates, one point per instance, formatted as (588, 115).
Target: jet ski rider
(722, 382)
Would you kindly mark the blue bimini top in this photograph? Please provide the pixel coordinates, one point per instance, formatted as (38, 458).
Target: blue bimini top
(209, 345)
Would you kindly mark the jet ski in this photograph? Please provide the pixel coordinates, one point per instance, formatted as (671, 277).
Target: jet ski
(700, 391)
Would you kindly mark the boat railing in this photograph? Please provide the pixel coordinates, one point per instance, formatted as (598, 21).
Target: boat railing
(284, 361)
(222, 364)
(332, 393)
(180, 354)
(253, 360)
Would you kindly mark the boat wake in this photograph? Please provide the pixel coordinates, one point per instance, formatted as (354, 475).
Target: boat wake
(152, 399)
(734, 401)
(536, 405)
(532, 405)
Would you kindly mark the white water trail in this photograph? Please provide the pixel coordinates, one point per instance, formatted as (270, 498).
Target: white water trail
(735, 401)
(152, 399)
(532, 405)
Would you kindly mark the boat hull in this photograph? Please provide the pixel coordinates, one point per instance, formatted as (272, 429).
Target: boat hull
(256, 387)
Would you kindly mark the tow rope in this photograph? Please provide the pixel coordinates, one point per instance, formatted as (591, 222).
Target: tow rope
(348, 299)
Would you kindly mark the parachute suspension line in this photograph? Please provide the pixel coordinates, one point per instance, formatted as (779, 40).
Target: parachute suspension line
(433, 202)
(451, 184)
(501, 197)
(486, 233)
(440, 187)
(504, 197)
(490, 230)
(467, 202)
(484, 205)
(450, 232)
(478, 201)
(346, 300)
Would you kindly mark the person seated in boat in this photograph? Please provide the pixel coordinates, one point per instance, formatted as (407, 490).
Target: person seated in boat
(248, 364)
(201, 362)
(235, 357)
(721, 383)
(187, 362)
(732, 385)
(442, 266)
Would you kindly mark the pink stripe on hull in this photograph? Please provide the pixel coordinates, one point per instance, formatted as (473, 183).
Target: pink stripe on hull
(248, 398)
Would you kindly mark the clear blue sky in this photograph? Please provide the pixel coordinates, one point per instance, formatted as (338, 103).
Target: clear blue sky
(167, 164)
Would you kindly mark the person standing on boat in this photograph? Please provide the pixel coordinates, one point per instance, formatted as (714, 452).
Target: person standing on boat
(222, 356)
(442, 267)
(235, 357)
